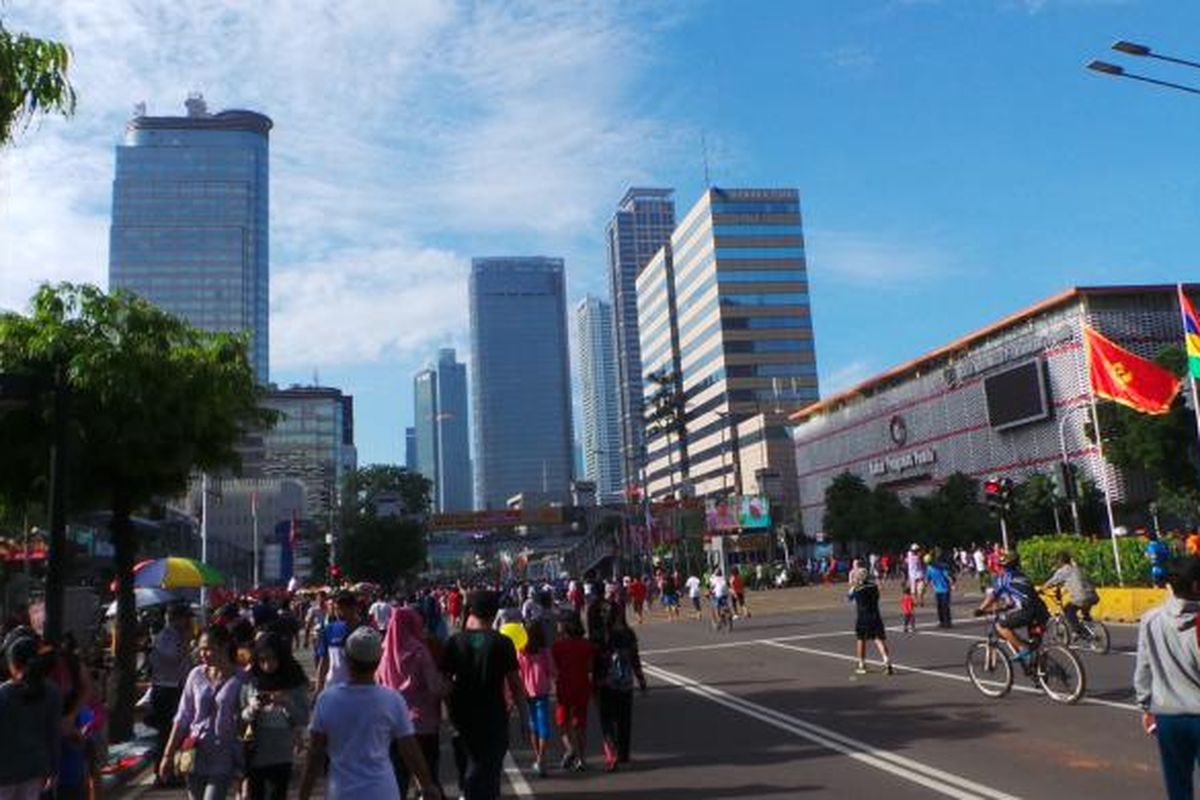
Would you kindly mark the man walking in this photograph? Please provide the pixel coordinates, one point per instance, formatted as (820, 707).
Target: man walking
(354, 724)
(479, 664)
(938, 577)
(170, 663)
(331, 642)
(1167, 676)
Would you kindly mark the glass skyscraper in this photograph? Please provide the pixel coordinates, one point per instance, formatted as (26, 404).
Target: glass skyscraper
(520, 379)
(189, 220)
(641, 225)
(442, 446)
(726, 308)
(597, 367)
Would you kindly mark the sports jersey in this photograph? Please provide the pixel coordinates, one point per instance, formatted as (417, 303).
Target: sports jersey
(1017, 589)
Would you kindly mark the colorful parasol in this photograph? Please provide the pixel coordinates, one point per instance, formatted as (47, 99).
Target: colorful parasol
(175, 573)
(146, 597)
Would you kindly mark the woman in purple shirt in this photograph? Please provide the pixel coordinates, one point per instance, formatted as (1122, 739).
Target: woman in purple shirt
(207, 719)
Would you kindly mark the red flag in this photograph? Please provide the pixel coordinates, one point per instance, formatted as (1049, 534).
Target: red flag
(1126, 378)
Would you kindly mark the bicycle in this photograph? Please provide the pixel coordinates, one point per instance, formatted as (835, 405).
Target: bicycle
(1089, 633)
(724, 615)
(1053, 668)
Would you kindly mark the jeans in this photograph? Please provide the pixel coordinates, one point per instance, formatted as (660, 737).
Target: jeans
(480, 760)
(269, 782)
(943, 609)
(431, 748)
(208, 787)
(616, 720)
(1179, 748)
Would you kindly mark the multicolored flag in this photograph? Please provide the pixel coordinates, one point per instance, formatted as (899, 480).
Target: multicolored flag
(1127, 378)
(1191, 332)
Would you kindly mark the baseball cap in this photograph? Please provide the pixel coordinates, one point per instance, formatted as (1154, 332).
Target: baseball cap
(364, 646)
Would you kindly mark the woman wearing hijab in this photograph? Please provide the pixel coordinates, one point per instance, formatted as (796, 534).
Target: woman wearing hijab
(408, 667)
(274, 711)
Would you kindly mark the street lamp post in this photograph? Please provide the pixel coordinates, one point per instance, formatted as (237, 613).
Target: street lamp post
(1143, 51)
(1062, 449)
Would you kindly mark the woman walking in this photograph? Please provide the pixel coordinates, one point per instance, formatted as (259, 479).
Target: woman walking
(618, 667)
(407, 666)
(537, 673)
(205, 731)
(275, 712)
(29, 721)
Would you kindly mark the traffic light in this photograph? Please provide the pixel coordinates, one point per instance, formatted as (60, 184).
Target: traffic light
(1006, 494)
(991, 495)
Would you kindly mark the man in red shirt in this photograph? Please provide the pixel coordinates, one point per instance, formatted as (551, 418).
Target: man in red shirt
(573, 657)
(637, 595)
(454, 600)
(738, 587)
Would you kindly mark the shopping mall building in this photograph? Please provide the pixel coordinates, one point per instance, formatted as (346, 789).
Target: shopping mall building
(1009, 399)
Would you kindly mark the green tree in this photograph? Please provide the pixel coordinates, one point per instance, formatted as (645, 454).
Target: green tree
(383, 523)
(33, 80)
(151, 401)
(952, 514)
(1182, 505)
(1034, 502)
(890, 524)
(848, 508)
(1162, 445)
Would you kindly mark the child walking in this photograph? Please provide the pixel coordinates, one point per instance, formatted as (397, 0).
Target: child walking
(906, 608)
(537, 673)
(573, 656)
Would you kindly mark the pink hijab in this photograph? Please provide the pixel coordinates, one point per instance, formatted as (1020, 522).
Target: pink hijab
(403, 650)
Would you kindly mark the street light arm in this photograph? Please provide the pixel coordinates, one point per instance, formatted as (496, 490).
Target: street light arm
(1144, 51)
(1105, 68)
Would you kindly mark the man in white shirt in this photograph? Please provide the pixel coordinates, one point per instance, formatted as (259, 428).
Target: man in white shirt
(355, 724)
(719, 587)
(381, 612)
(693, 587)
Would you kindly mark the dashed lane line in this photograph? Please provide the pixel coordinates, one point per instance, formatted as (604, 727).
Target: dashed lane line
(936, 780)
(937, 673)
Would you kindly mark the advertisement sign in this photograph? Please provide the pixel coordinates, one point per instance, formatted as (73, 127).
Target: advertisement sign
(754, 512)
(749, 512)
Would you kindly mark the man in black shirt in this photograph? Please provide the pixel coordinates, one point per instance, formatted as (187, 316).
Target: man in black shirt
(479, 662)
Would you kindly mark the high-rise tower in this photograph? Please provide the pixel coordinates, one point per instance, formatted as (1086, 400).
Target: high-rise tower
(641, 225)
(190, 220)
(520, 379)
(442, 445)
(597, 367)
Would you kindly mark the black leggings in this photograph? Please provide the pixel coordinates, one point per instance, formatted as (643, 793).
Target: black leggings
(269, 782)
(616, 719)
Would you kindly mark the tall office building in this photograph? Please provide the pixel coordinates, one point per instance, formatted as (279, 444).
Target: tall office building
(598, 384)
(442, 446)
(520, 379)
(313, 442)
(640, 227)
(410, 449)
(189, 221)
(725, 308)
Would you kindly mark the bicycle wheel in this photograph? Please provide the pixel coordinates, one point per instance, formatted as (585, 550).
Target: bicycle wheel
(1059, 631)
(989, 669)
(1060, 674)
(1096, 636)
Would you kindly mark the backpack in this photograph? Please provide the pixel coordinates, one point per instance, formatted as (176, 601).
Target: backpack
(620, 671)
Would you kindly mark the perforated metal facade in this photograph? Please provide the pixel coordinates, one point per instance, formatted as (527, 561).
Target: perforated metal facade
(919, 423)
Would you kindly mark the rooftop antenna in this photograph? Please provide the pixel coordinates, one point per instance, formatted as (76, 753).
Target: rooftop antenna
(704, 155)
(139, 109)
(316, 377)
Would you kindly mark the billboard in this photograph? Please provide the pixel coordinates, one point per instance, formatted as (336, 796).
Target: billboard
(748, 512)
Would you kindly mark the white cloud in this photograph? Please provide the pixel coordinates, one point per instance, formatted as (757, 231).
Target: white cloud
(873, 261)
(846, 376)
(506, 126)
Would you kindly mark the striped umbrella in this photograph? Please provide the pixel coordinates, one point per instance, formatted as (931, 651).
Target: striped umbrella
(175, 573)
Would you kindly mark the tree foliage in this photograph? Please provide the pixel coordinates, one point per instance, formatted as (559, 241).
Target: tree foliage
(150, 400)
(1161, 445)
(848, 514)
(381, 540)
(952, 514)
(33, 80)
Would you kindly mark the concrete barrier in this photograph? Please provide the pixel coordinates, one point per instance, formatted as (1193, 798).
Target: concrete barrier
(1119, 604)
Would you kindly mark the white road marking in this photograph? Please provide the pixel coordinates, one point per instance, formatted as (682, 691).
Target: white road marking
(519, 784)
(935, 673)
(747, 642)
(932, 778)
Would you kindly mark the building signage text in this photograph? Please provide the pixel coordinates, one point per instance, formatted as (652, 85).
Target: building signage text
(895, 465)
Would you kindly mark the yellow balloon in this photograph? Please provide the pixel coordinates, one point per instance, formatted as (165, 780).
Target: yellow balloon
(516, 632)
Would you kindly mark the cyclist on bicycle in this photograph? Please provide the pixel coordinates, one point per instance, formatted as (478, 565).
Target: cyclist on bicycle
(1074, 579)
(1018, 597)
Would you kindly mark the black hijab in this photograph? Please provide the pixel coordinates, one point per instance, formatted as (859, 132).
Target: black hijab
(289, 674)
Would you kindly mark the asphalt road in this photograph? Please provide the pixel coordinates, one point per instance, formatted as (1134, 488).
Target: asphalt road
(774, 710)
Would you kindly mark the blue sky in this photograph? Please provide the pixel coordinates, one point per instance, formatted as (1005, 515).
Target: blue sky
(955, 160)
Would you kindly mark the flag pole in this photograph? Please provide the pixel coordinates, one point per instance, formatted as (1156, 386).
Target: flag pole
(1191, 377)
(1104, 481)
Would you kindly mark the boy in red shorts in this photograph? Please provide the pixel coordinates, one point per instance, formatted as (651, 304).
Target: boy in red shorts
(573, 656)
